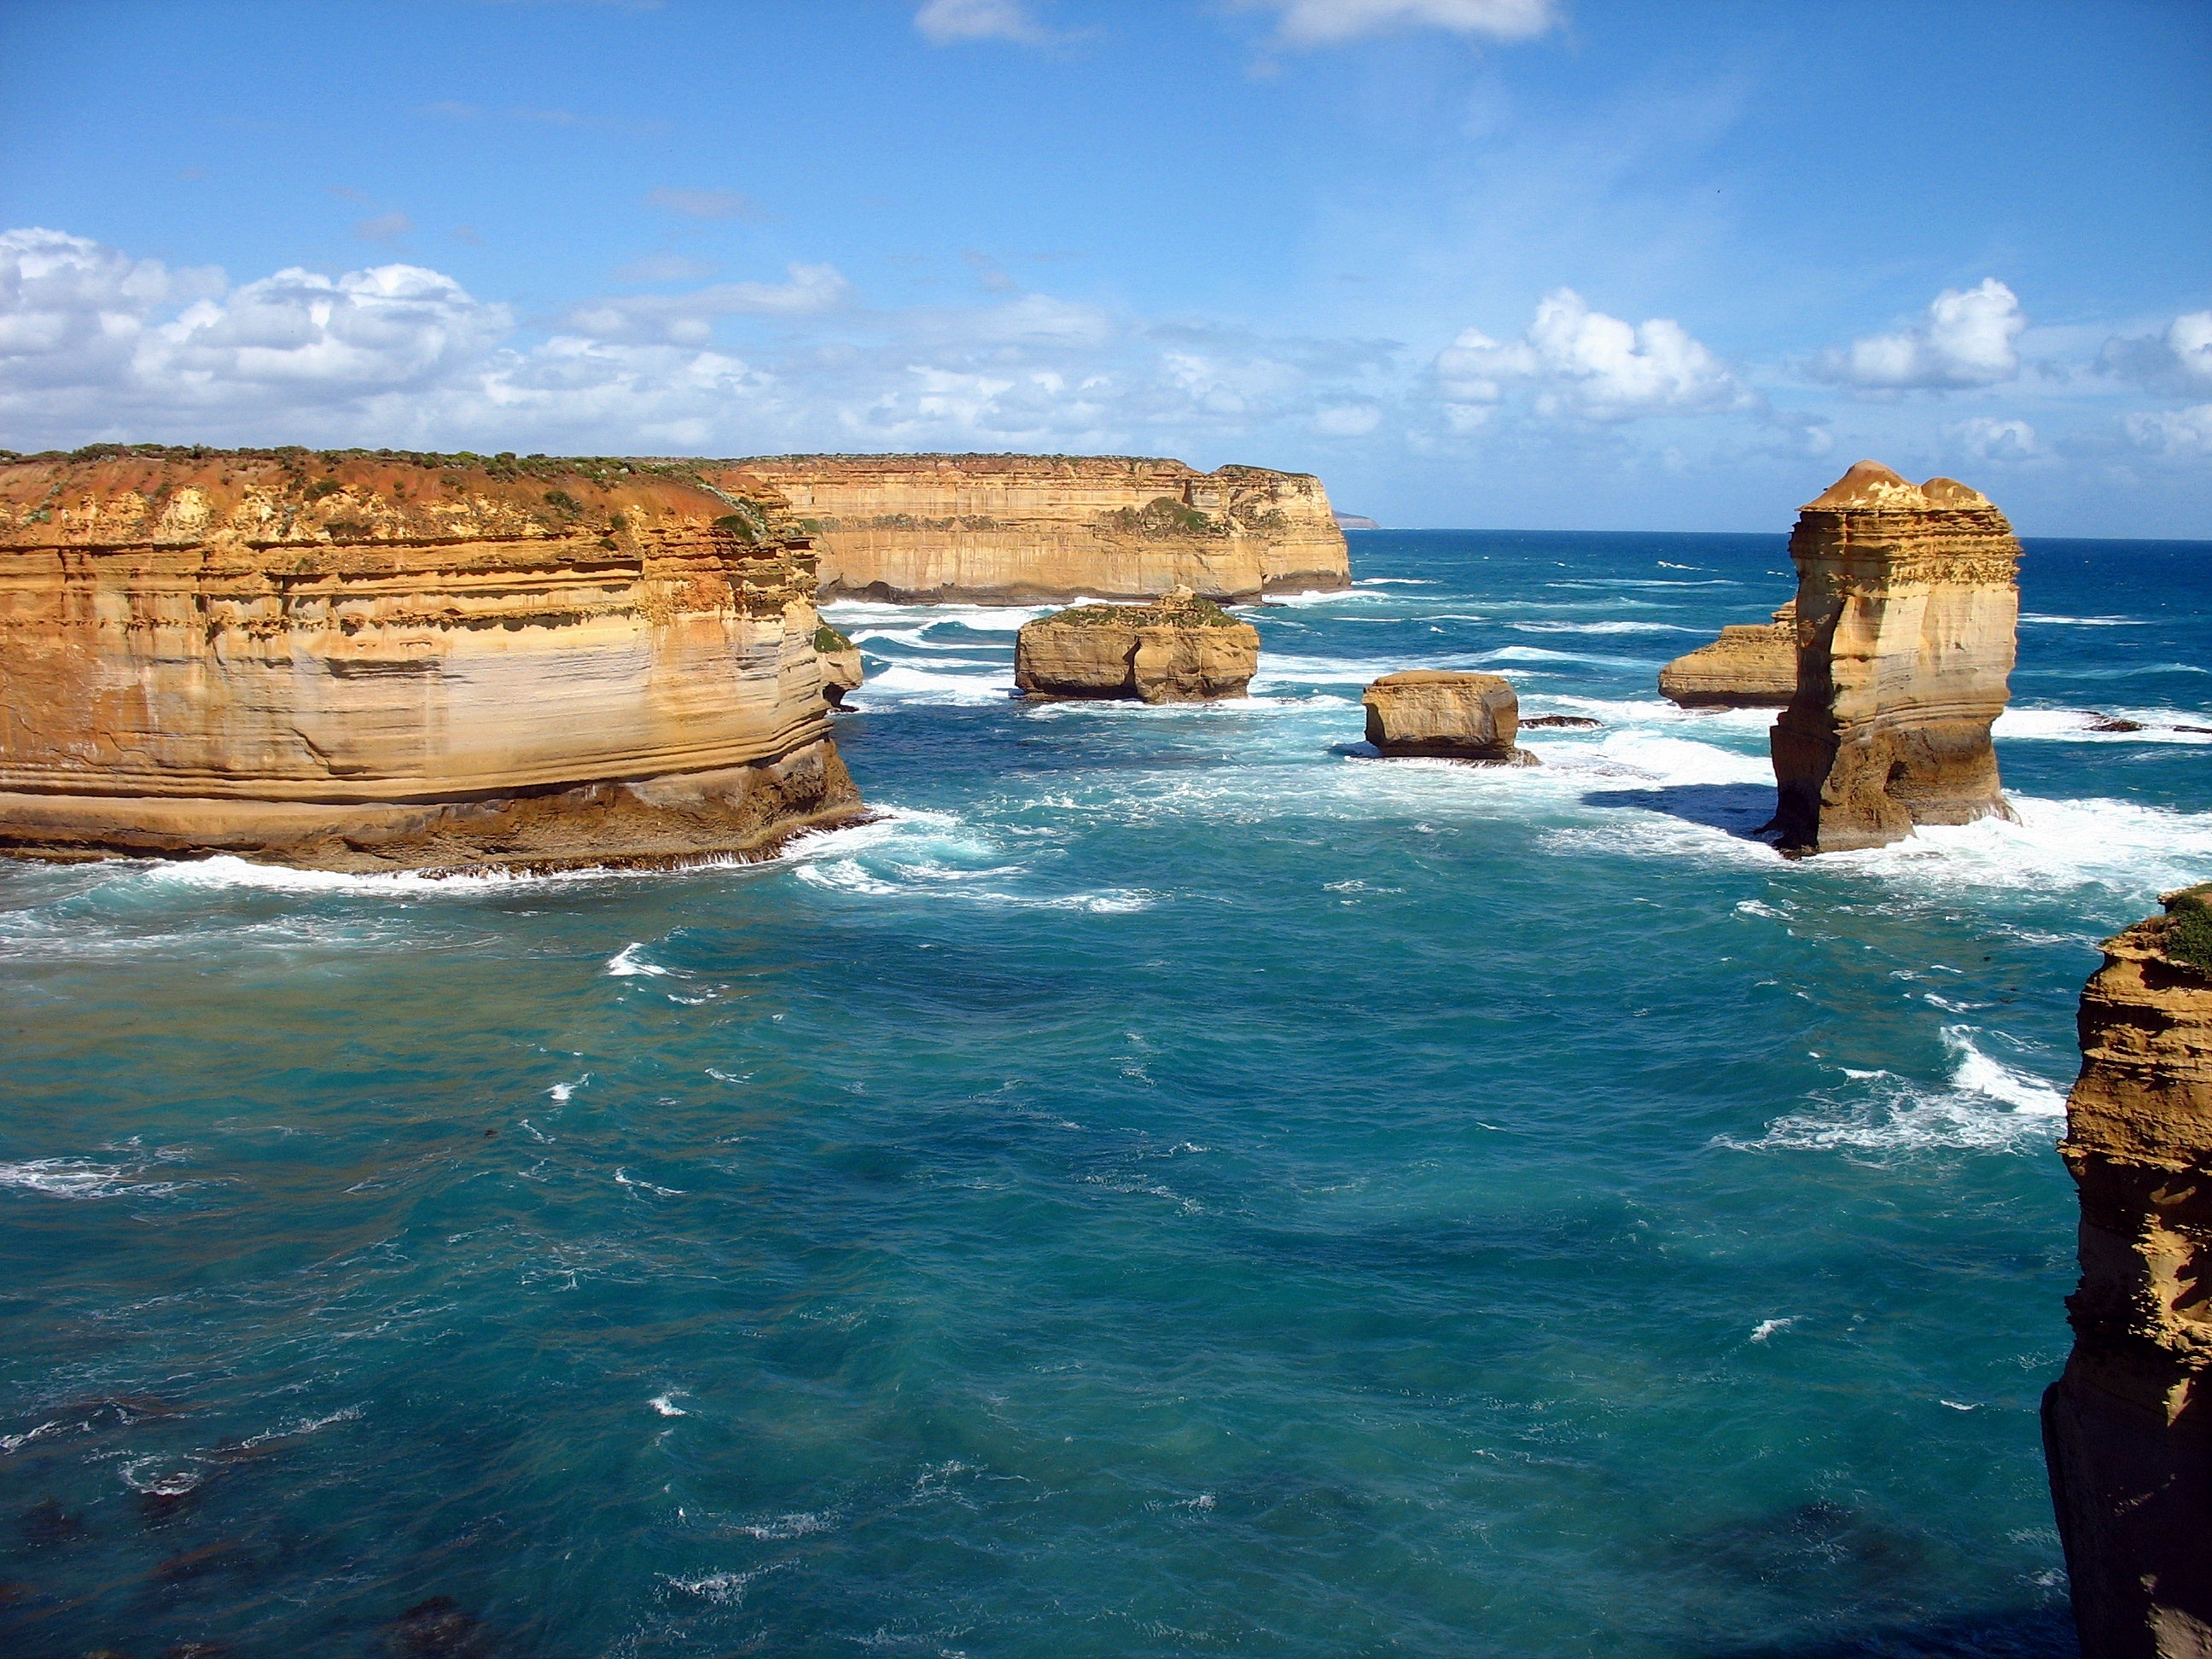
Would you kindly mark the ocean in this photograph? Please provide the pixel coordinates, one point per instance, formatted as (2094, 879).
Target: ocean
(1174, 1184)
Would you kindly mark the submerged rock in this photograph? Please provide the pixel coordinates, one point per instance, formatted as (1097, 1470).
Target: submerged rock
(2128, 1429)
(1908, 602)
(1179, 649)
(1446, 715)
(1564, 722)
(1750, 666)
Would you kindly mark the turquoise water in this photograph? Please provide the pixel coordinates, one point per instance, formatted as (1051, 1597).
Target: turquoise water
(1176, 1185)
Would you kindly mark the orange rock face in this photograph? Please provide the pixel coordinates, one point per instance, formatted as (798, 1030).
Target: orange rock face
(1908, 606)
(1010, 529)
(2128, 1429)
(1179, 649)
(1750, 666)
(1446, 714)
(367, 663)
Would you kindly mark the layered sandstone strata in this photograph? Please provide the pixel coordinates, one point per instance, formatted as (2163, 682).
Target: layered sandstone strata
(1908, 602)
(1179, 649)
(1447, 715)
(370, 662)
(1014, 529)
(1750, 666)
(2128, 1428)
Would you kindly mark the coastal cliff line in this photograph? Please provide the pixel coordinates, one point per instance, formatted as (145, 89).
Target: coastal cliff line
(365, 661)
(1018, 529)
(2128, 1428)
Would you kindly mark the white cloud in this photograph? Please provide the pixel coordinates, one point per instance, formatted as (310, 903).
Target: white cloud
(943, 21)
(1966, 340)
(1988, 438)
(1331, 22)
(2180, 360)
(705, 203)
(1347, 420)
(71, 310)
(1576, 361)
(688, 319)
(663, 267)
(384, 227)
(2174, 433)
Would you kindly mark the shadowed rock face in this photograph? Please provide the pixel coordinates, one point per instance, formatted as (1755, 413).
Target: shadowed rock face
(1180, 649)
(1750, 665)
(2128, 1428)
(1015, 529)
(1446, 715)
(371, 663)
(1908, 604)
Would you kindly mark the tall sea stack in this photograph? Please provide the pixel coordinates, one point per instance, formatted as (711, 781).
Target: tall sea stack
(1908, 604)
(370, 662)
(2128, 1428)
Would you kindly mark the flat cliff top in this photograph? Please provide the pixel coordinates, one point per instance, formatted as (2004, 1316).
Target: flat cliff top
(772, 467)
(116, 495)
(1182, 610)
(2181, 939)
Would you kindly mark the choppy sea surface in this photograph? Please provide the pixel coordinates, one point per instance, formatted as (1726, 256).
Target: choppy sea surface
(1176, 1184)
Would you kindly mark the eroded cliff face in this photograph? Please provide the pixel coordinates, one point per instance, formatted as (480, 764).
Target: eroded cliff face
(1750, 666)
(1011, 529)
(1181, 648)
(1908, 606)
(1446, 714)
(2128, 1428)
(363, 663)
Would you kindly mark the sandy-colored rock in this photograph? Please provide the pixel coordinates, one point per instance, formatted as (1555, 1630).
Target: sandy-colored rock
(1446, 714)
(1018, 529)
(370, 662)
(2128, 1428)
(1908, 606)
(1750, 666)
(1179, 648)
(842, 670)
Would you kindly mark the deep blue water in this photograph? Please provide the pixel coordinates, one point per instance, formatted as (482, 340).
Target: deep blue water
(1177, 1185)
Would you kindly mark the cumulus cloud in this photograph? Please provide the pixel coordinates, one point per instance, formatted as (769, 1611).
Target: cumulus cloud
(2174, 433)
(705, 203)
(94, 345)
(941, 23)
(1333, 22)
(1966, 340)
(2179, 360)
(1986, 438)
(1572, 361)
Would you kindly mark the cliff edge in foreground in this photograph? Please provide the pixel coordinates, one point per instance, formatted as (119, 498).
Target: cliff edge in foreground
(369, 662)
(1908, 606)
(1018, 529)
(2128, 1428)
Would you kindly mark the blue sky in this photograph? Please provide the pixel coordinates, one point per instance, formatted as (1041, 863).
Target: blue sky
(1530, 263)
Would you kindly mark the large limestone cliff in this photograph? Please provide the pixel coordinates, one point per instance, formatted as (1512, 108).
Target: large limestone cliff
(1908, 604)
(1010, 529)
(371, 661)
(2128, 1428)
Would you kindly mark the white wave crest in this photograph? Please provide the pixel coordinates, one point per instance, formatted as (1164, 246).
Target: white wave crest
(1988, 1106)
(626, 964)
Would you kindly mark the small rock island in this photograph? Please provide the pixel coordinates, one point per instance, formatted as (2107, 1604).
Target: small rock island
(1181, 648)
(1908, 608)
(2127, 1430)
(1750, 666)
(1443, 715)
